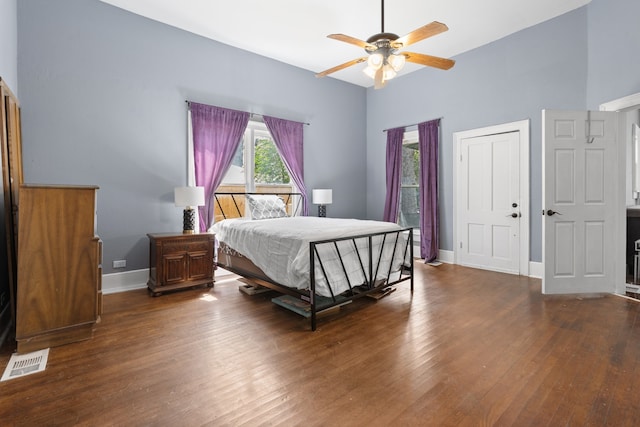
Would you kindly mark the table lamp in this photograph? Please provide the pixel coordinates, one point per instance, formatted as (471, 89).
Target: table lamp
(322, 197)
(189, 197)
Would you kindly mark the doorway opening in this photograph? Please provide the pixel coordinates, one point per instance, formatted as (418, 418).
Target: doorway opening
(629, 109)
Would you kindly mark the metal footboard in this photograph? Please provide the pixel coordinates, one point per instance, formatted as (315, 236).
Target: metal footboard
(372, 251)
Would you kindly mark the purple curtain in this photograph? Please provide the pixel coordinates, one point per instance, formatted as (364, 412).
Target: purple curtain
(216, 135)
(287, 136)
(394, 174)
(428, 139)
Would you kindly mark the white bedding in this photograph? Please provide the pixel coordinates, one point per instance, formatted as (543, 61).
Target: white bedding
(280, 247)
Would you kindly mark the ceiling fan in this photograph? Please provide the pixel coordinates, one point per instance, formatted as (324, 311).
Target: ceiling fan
(384, 60)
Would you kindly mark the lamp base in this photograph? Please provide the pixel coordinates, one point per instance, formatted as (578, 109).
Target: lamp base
(188, 221)
(322, 211)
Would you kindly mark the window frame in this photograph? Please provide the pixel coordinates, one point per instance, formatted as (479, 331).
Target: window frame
(255, 130)
(410, 138)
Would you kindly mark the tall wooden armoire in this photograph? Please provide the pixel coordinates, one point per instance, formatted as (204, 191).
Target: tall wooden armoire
(12, 178)
(59, 298)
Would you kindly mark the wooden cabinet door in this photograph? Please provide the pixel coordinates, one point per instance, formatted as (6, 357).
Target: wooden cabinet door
(174, 267)
(200, 266)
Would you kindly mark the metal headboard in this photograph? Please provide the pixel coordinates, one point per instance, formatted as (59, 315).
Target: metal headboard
(293, 201)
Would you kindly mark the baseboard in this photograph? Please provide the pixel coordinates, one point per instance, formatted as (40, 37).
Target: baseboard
(137, 279)
(445, 256)
(536, 269)
(126, 281)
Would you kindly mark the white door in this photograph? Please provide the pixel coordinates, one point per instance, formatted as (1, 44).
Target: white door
(488, 202)
(580, 201)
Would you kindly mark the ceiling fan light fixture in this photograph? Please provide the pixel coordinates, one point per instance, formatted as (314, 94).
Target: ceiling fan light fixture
(370, 72)
(375, 60)
(383, 60)
(388, 72)
(396, 62)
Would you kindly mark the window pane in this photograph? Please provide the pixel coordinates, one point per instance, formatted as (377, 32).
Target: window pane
(235, 174)
(268, 166)
(409, 191)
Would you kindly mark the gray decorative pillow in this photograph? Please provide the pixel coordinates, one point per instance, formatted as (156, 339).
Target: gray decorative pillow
(265, 206)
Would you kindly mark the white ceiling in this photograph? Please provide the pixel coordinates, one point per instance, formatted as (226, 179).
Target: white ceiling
(294, 31)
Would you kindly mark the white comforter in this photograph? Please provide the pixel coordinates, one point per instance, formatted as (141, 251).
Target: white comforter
(280, 247)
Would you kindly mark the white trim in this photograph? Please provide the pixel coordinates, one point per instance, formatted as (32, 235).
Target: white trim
(191, 168)
(191, 162)
(536, 269)
(631, 101)
(137, 279)
(522, 127)
(446, 256)
(623, 104)
(126, 281)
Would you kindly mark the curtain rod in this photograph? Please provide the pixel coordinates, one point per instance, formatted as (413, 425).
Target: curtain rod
(259, 115)
(414, 124)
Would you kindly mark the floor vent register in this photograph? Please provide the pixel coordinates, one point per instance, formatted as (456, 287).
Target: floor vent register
(25, 364)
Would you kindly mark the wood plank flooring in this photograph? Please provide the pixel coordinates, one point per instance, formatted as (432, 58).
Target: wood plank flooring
(467, 348)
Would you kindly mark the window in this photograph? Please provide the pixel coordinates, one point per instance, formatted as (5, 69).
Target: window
(257, 165)
(410, 184)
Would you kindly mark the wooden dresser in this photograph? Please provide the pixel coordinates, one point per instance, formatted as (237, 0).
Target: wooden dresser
(59, 295)
(178, 260)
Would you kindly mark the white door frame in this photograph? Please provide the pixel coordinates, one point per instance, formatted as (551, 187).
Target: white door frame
(622, 104)
(522, 127)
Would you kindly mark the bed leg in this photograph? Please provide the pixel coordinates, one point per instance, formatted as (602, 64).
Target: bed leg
(313, 318)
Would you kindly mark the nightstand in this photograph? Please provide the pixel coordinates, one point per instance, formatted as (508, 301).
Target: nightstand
(178, 261)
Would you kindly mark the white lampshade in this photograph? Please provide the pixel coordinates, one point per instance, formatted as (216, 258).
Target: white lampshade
(397, 61)
(388, 72)
(375, 60)
(189, 196)
(322, 196)
(371, 72)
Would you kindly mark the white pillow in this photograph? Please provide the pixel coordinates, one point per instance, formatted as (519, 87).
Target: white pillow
(265, 206)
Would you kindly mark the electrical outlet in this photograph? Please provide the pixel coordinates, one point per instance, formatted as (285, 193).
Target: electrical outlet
(120, 263)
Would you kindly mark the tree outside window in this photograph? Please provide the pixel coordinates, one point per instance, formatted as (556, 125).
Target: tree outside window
(269, 167)
(410, 186)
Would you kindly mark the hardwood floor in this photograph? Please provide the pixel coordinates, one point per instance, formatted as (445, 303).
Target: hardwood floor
(469, 347)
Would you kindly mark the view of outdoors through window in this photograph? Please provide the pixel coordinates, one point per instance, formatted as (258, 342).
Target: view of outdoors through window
(409, 187)
(256, 167)
(268, 166)
(266, 171)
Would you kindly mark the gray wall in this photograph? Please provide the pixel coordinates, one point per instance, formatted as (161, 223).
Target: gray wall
(614, 50)
(576, 61)
(103, 93)
(9, 44)
(103, 102)
(509, 80)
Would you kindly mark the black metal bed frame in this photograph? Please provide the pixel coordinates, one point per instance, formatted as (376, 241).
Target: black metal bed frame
(287, 197)
(374, 282)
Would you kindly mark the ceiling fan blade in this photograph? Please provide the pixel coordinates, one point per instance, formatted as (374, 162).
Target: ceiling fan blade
(352, 40)
(378, 82)
(428, 60)
(341, 66)
(421, 33)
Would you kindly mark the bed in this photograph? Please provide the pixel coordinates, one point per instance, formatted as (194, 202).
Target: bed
(321, 262)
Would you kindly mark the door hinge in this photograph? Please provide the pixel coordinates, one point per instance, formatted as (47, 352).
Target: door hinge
(460, 245)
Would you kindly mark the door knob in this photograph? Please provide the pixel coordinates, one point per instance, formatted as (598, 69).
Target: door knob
(552, 212)
(513, 215)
